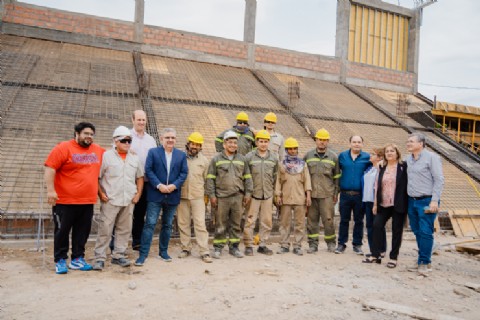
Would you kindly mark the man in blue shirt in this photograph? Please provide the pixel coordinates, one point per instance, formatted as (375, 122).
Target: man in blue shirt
(353, 163)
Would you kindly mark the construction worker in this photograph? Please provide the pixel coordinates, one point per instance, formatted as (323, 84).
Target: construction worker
(276, 139)
(324, 173)
(263, 165)
(246, 137)
(292, 193)
(192, 203)
(229, 187)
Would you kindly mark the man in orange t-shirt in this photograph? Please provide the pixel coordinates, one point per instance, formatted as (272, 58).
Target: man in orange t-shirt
(71, 176)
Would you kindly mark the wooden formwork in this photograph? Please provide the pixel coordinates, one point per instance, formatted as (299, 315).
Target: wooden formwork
(466, 223)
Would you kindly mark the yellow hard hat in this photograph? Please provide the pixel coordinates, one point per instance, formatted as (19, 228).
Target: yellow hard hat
(322, 134)
(270, 117)
(196, 137)
(242, 116)
(291, 143)
(262, 134)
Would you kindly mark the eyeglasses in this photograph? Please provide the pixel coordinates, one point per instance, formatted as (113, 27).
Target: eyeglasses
(129, 141)
(169, 138)
(269, 122)
(242, 122)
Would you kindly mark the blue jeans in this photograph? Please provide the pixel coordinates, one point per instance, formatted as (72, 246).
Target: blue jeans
(153, 212)
(422, 226)
(367, 207)
(347, 204)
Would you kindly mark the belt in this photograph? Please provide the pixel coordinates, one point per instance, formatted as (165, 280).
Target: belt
(261, 198)
(350, 192)
(421, 197)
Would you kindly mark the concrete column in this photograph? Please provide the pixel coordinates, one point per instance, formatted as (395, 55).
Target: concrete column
(139, 20)
(341, 40)
(414, 46)
(249, 24)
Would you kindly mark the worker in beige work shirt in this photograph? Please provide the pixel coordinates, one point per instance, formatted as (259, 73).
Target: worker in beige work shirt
(192, 203)
(120, 188)
(292, 193)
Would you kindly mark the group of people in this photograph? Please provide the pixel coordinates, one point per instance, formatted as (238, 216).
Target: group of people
(253, 171)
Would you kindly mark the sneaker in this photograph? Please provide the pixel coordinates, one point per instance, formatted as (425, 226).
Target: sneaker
(340, 249)
(249, 251)
(264, 250)
(80, 264)
(165, 257)
(312, 249)
(358, 250)
(140, 261)
(206, 258)
(331, 247)
(61, 267)
(298, 251)
(283, 250)
(122, 262)
(184, 254)
(423, 270)
(235, 252)
(217, 253)
(99, 265)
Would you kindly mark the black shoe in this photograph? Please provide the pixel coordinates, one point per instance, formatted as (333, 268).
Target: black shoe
(122, 262)
(283, 250)
(249, 251)
(372, 260)
(264, 250)
(312, 249)
(340, 249)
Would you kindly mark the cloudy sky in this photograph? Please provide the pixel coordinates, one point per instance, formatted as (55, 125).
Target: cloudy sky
(449, 42)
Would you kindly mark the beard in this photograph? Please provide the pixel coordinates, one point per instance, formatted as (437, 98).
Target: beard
(84, 143)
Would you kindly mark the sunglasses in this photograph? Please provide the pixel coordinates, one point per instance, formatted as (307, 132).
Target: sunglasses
(129, 141)
(270, 122)
(242, 122)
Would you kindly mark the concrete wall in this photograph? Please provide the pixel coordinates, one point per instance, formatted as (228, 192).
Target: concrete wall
(52, 24)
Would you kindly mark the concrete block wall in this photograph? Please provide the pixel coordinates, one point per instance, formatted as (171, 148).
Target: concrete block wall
(196, 47)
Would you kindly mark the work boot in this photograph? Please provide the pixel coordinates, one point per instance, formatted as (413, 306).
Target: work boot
(99, 265)
(312, 249)
(217, 253)
(249, 251)
(122, 262)
(298, 251)
(331, 247)
(264, 250)
(283, 250)
(184, 254)
(206, 258)
(234, 251)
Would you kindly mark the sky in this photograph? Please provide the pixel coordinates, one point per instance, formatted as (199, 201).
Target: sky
(449, 65)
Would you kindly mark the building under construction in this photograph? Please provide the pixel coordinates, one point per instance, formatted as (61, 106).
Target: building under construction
(59, 68)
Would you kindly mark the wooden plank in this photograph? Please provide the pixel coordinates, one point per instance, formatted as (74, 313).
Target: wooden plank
(456, 226)
(475, 217)
(466, 225)
(412, 312)
(470, 248)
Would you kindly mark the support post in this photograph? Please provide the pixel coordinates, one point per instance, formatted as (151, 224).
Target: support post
(139, 20)
(249, 24)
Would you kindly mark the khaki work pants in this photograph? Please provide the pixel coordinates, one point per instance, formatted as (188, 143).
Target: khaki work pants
(187, 211)
(321, 208)
(265, 208)
(298, 228)
(113, 216)
(227, 221)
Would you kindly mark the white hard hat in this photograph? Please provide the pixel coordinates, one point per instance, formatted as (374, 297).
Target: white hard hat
(230, 135)
(121, 132)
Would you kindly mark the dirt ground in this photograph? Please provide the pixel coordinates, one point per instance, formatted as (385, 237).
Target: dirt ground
(319, 286)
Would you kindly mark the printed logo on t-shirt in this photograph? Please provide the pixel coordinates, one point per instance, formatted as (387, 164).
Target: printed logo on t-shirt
(83, 158)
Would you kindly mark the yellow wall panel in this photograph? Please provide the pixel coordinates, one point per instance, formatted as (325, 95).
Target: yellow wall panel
(378, 38)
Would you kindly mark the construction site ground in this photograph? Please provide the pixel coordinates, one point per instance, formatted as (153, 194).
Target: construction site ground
(318, 286)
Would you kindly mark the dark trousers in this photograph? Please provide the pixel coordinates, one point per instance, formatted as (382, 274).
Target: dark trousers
(78, 219)
(381, 218)
(139, 219)
(369, 217)
(349, 203)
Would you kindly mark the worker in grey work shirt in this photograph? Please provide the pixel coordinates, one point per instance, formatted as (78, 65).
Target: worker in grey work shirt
(425, 185)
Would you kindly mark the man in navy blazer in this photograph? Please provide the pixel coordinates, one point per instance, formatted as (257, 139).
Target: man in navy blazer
(166, 169)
